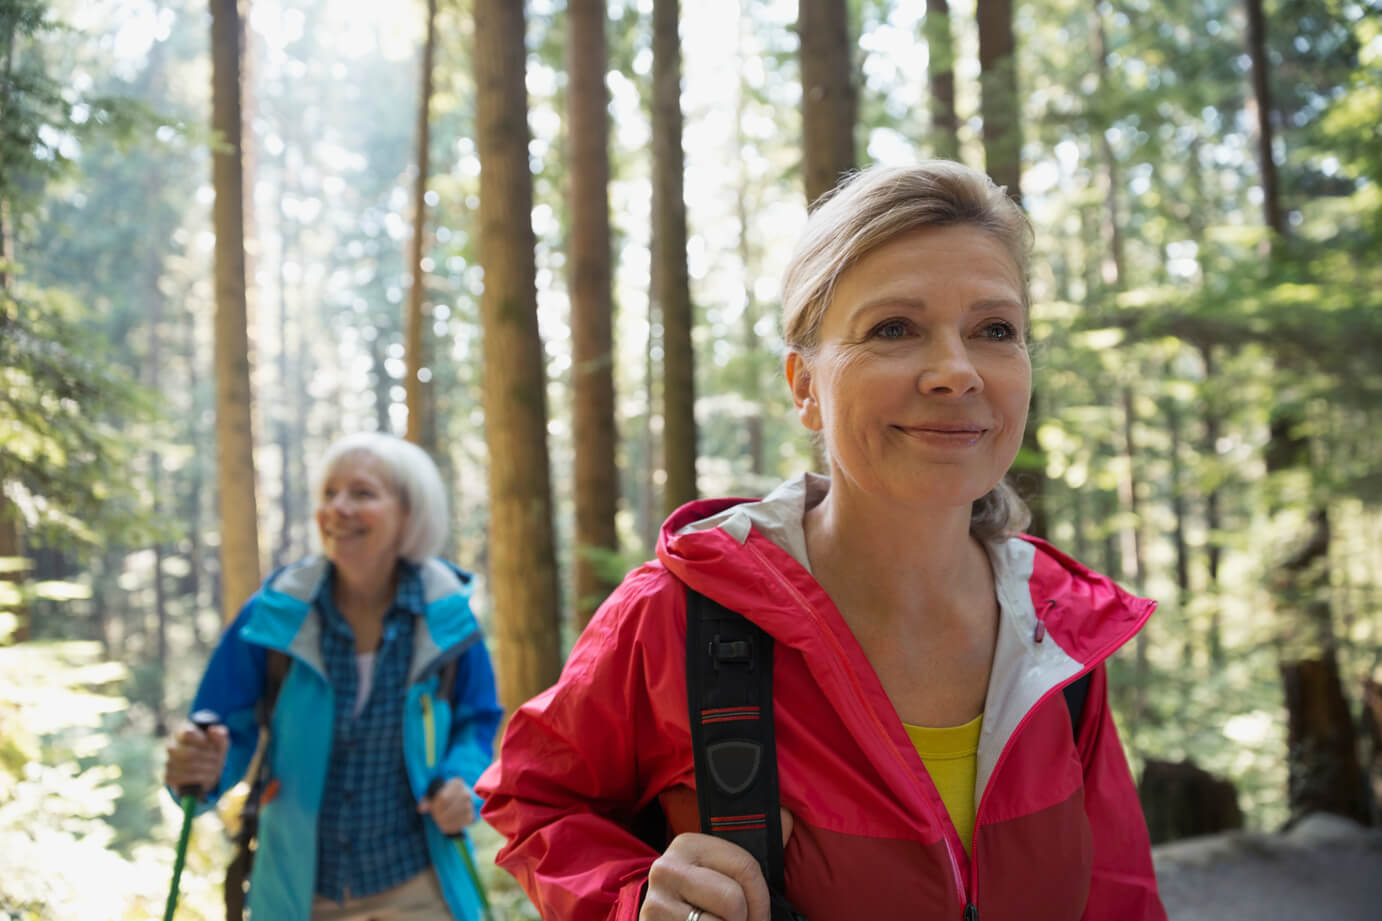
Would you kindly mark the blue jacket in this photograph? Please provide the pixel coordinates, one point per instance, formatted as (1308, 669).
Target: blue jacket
(441, 737)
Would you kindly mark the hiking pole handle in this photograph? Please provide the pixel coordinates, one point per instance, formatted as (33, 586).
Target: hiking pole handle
(203, 720)
(433, 788)
(189, 794)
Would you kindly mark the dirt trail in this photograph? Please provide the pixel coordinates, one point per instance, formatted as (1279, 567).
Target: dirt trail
(1325, 867)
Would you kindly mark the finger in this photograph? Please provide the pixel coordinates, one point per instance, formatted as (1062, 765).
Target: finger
(789, 822)
(220, 738)
(716, 876)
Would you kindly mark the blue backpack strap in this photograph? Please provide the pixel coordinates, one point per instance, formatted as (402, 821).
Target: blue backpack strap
(729, 692)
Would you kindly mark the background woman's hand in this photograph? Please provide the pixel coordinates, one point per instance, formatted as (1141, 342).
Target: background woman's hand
(721, 879)
(196, 758)
(450, 807)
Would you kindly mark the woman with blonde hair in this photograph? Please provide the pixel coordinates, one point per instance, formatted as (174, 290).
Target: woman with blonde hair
(927, 762)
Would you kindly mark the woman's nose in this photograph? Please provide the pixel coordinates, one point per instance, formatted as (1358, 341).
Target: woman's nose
(947, 368)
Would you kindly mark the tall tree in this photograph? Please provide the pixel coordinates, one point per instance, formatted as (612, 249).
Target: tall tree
(1322, 742)
(998, 96)
(1003, 161)
(418, 391)
(523, 568)
(234, 434)
(940, 56)
(592, 305)
(829, 105)
(671, 284)
(1262, 97)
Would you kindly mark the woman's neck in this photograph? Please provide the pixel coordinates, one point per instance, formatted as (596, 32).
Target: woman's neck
(364, 593)
(892, 560)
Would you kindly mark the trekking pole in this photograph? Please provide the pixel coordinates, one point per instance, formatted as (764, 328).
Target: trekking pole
(203, 720)
(432, 789)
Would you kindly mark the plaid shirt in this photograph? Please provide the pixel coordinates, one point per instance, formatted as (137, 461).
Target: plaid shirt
(369, 834)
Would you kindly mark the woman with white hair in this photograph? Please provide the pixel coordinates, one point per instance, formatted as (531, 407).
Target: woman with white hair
(356, 694)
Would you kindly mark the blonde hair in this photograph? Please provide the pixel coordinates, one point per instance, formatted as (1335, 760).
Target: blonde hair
(874, 206)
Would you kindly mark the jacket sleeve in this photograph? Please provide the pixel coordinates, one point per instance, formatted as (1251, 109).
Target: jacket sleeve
(230, 688)
(475, 716)
(1123, 882)
(581, 759)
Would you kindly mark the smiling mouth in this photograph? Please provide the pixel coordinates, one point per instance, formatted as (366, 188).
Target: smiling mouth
(961, 433)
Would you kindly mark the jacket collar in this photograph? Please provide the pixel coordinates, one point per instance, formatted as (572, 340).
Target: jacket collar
(280, 618)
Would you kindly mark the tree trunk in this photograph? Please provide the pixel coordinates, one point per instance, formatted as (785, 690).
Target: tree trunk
(748, 263)
(1213, 520)
(1179, 514)
(523, 569)
(671, 285)
(1322, 750)
(1134, 569)
(592, 306)
(1262, 95)
(828, 104)
(998, 96)
(13, 564)
(234, 434)
(417, 384)
(940, 46)
(1112, 269)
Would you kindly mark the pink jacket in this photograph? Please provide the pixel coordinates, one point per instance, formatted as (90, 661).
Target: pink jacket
(1059, 835)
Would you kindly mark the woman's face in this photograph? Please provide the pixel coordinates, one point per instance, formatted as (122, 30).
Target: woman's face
(359, 516)
(921, 379)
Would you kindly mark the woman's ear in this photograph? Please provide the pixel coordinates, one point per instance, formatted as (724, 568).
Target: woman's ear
(803, 391)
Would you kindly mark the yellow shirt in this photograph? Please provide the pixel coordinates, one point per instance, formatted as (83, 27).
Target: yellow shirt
(951, 758)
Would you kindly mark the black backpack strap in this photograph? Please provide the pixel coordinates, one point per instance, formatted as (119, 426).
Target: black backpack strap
(729, 691)
(1075, 694)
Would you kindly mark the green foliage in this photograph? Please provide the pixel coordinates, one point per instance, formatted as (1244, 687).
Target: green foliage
(62, 409)
(74, 761)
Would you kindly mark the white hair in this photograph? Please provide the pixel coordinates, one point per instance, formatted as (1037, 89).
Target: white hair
(414, 479)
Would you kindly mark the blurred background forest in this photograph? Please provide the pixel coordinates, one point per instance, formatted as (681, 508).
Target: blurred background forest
(200, 289)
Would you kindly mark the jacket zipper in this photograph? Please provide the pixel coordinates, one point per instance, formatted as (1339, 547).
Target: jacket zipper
(971, 913)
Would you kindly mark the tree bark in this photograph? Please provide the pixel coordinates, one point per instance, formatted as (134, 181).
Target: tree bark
(234, 433)
(671, 284)
(592, 306)
(523, 570)
(421, 431)
(829, 108)
(940, 46)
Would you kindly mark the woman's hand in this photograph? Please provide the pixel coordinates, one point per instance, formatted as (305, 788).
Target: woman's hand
(196, 758)
(450, 806)
(720, 879)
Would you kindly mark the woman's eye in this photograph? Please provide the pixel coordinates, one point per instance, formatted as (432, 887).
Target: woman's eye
(892, 329)
(1000, 331)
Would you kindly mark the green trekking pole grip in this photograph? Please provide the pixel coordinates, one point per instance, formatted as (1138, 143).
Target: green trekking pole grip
(203, 720)
(459, 839)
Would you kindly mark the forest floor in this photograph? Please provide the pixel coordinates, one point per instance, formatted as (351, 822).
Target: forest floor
(1324, 867)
